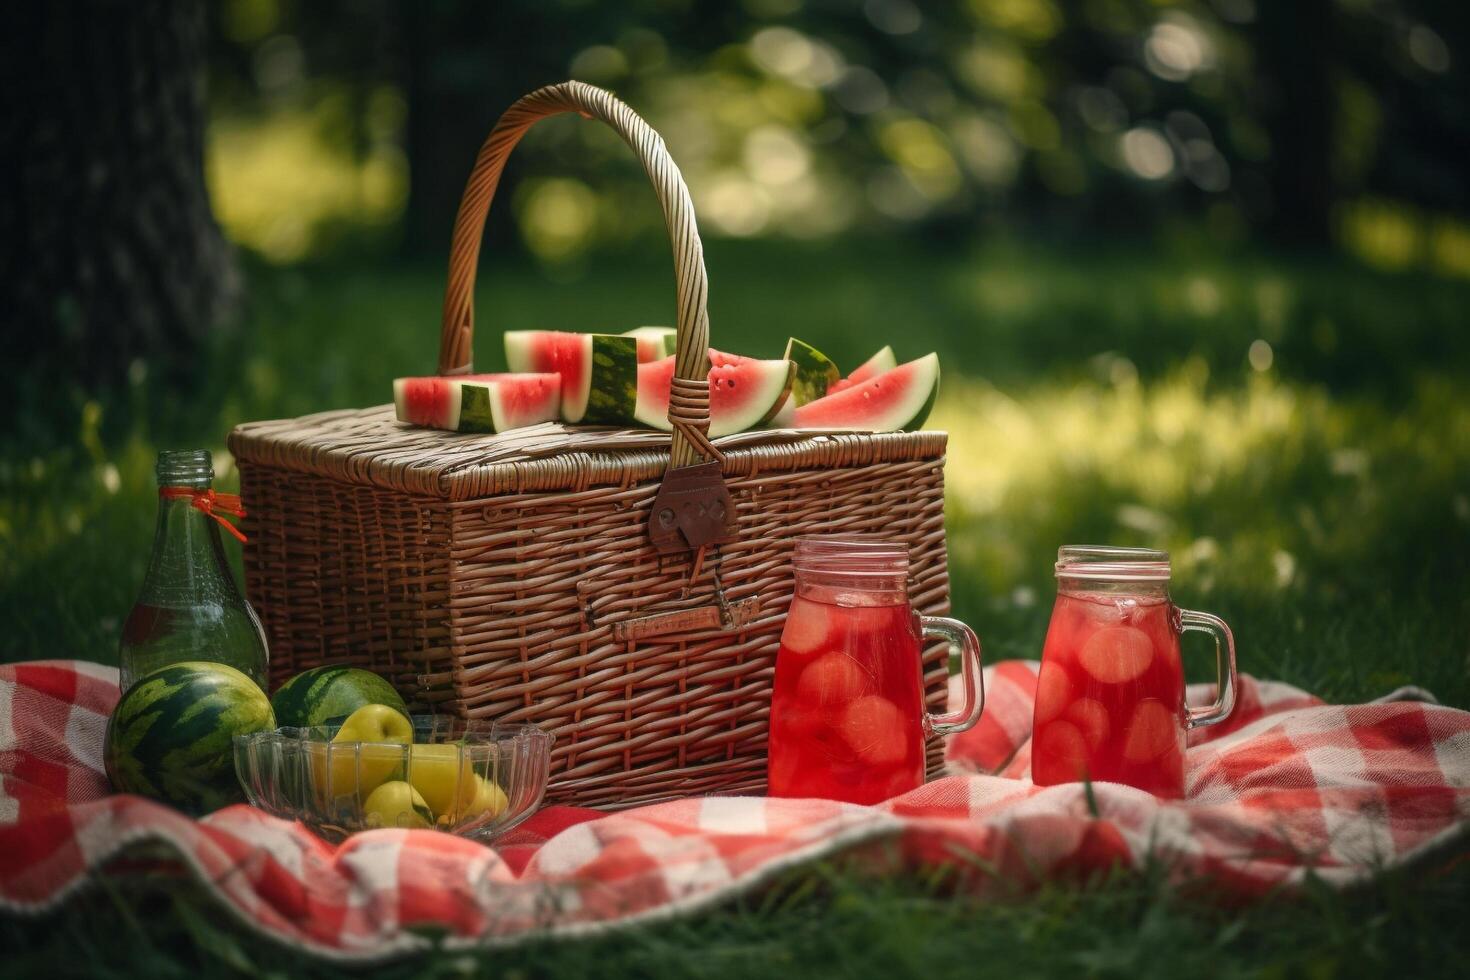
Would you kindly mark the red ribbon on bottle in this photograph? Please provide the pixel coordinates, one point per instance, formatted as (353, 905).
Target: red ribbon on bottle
(208, 502)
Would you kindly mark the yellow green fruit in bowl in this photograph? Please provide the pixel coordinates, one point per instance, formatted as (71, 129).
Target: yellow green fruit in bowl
(489, 799)
(342, 768)
(485, 777)
(396, 804)
(445, 775)
(376, 723)
(329, 695)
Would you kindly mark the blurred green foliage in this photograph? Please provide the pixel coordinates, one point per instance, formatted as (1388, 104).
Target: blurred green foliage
(1221, 120)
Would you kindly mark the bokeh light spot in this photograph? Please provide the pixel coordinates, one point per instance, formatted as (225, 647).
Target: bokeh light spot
(599, 64)
(735, 205)
(557, 217)
(1260, 355)
(1428, 49)
(775, 155)
(1177, 48)
(1147, 153)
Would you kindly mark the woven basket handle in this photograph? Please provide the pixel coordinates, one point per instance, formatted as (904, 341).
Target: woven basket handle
(689, 399)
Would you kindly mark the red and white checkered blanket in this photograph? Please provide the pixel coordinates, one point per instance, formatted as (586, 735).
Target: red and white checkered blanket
(1290, 787)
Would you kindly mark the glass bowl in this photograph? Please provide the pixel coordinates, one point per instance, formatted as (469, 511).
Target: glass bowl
(477, 779)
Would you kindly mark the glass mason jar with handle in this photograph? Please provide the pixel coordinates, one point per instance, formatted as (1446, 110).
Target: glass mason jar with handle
(848, 720)
(1110, 696)
(190, 607)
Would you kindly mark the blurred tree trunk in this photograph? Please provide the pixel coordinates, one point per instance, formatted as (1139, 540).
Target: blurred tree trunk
(113, 252)
(1293, 43)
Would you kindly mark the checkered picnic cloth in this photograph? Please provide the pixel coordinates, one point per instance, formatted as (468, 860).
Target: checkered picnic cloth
(1289, 787)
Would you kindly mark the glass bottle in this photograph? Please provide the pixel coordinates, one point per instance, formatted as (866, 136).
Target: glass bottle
(848, 720)
(190, 607)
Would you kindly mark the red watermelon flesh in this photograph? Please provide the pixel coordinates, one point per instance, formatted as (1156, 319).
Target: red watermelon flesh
(743, 393)
(871, 368)
(896, 400)
(478, 402)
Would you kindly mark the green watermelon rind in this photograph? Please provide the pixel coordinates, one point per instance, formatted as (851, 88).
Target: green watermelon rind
(812, 374)
(917, 422)
(815, 371)
(327, 695)
(612, 385)
(171, 736)
(476, 409)
(482, 408)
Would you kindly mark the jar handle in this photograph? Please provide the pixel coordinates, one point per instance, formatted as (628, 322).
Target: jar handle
(958, 634)
(1191, 621)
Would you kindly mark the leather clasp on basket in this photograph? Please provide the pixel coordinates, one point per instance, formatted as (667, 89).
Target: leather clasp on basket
(692, 509)
(714, 617)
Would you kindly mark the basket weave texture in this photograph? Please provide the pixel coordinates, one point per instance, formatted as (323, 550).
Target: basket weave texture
(505, 576)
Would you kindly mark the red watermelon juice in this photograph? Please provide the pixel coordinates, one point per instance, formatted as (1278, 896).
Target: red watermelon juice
(848, 720)
(847, 704)
(1110, 696)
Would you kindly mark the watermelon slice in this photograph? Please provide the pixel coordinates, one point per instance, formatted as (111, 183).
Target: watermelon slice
(742, 395)
(815, 372)
(599, 372)
(896, 400)
(871, 368)
(653, 342)
(478, 402)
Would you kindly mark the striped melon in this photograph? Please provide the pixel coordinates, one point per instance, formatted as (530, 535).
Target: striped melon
(327, 695)
(170, 735)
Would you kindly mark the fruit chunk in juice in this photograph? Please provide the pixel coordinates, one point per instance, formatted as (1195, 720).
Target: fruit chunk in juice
(1110, 695)
(847, 706)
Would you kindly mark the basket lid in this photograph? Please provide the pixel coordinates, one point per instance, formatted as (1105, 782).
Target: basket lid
(371, 447)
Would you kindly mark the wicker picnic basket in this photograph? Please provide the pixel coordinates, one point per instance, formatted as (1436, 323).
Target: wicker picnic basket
(514, 576)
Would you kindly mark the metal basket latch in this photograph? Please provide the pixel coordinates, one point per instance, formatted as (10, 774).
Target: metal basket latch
(692, 510)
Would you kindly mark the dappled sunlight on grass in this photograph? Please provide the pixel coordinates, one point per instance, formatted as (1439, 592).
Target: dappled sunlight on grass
(1240, 482)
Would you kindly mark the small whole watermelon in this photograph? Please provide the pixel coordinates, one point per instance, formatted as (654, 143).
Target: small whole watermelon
(170, 737)
(327, 695)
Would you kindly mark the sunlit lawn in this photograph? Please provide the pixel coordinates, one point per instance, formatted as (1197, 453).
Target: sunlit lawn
(1296, 433)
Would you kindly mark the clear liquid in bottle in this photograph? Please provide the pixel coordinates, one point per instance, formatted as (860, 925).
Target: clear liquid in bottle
(190, 607)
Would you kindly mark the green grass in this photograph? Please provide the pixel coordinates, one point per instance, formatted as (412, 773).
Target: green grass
(1320, 503)
(829, 922)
